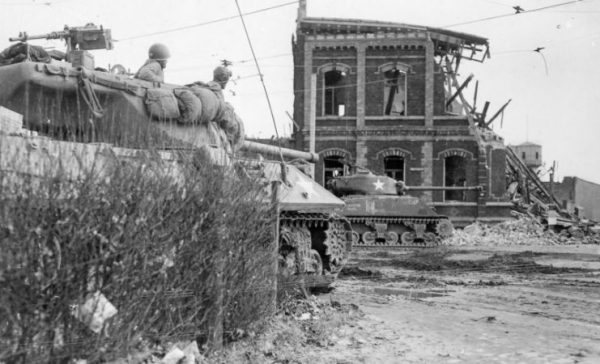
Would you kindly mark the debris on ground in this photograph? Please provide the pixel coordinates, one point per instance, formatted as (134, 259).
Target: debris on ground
(520, 231)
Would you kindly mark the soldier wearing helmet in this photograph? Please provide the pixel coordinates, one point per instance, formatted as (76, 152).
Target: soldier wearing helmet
(221, 76)
(152, 70)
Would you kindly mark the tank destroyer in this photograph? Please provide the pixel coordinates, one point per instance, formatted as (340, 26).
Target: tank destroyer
(70, 99)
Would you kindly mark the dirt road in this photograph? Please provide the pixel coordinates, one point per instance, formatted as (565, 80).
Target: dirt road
(517, 304)
(475, 305)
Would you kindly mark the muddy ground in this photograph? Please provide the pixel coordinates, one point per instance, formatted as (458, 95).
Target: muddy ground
(518, 304)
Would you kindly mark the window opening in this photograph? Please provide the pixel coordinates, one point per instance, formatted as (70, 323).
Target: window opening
(537, 155)
(332, 166)
(394, 92)
(393, 166)
(522, 155)
(455, 176)
(335, 93)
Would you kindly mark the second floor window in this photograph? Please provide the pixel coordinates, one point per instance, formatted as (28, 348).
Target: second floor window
(335, 92)
(394, 93)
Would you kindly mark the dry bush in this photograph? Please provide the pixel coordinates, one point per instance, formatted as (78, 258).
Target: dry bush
(159, 251)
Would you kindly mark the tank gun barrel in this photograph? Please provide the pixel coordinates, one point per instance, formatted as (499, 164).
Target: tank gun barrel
(255, 147)
(442, 188)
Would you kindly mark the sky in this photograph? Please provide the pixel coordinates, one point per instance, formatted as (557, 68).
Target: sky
(554, 93)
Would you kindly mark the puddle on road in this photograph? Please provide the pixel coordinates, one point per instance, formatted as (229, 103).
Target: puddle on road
(565, 263)
(411, 293)
(470, 256)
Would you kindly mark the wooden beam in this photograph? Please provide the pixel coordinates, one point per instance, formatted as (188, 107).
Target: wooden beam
(498, 113)
(459, 90)
(484, 113)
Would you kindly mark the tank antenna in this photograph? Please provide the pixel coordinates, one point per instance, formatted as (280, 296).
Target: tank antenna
(262, 81)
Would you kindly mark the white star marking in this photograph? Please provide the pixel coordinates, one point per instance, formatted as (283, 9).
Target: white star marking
(378, 185)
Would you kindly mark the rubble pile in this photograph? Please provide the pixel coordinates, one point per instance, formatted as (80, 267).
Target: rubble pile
(523, 230)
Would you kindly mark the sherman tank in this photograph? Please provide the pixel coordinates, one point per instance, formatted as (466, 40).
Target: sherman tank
(64, 96)
(383, 215)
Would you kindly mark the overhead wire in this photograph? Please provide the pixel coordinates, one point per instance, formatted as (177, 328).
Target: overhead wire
(514, 13)
(262, 81)
(207, 22)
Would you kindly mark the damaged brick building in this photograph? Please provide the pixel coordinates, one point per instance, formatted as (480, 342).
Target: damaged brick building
(385, 96)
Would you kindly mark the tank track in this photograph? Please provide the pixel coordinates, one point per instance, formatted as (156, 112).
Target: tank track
(408, 221)
(330, 232)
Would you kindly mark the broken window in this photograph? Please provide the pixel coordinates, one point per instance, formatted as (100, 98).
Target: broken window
(332, 166)
(455, 170)
(335, 93)
(393, 166)
(394, 93)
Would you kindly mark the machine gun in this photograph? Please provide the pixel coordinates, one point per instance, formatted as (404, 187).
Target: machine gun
(87, 37)
(79, 40)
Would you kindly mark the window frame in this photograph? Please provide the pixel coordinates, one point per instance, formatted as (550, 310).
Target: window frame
(402, 68)
(386, 170)
(386, 92)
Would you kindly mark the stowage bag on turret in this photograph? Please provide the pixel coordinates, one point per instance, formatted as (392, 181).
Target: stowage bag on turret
(18, 53)
(162, 104)
(190, 106)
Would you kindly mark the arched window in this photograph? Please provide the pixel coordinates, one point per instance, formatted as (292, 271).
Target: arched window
(455, 175)
(335, 87)
(394, 92)
(393, 166)
(332, 166)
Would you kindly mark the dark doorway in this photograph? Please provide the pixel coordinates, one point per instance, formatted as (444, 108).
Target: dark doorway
(455, 168)
(332, 167)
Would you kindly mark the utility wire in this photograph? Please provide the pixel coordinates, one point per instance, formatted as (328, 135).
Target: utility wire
(207, 22)
(262, 81)
(512, 14)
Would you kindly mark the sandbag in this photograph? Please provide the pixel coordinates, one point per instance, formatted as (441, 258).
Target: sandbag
(190, 106)
(161, 104)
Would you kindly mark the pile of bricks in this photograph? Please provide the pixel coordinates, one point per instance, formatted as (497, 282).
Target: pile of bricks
(520, 231)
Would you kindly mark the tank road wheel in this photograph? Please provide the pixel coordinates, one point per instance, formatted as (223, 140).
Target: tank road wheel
(430, 239)
(369, 237)
(408, 237)
(315, 263)
(444, 228)
(294, 250)
(391, 238)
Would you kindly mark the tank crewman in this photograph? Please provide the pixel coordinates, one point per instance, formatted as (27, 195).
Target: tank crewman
(221, 76)
(152, 70)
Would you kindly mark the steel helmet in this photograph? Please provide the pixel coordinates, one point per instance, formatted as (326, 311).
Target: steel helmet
(158, 51)
(221, 74)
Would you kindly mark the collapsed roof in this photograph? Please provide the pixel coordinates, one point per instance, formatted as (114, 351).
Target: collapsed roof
(445, 41)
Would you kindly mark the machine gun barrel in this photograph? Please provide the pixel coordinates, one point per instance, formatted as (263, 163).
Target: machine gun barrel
(275, 150)
(23, 37)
